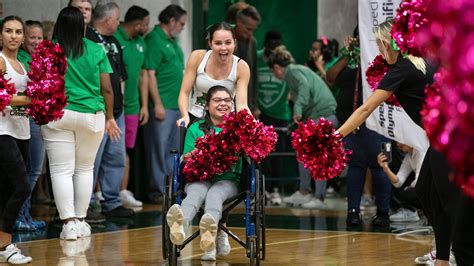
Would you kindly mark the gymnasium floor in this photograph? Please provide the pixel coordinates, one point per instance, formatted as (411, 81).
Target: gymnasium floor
(294, 237)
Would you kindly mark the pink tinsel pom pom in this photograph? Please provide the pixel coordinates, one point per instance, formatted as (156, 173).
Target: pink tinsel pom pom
(320, 149)
(374, 74)
(411, 16)
(46, 86)
(7, 90)
(216, 153)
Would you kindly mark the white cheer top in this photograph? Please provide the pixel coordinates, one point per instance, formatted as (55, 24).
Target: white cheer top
(13, 121)
(203, 82)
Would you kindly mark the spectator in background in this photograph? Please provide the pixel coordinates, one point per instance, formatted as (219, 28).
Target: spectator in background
(364, 143)
(85, 6)
(406, 195)
(110, 160)
(246, 21)
(36, 152)
(48, 27)
(312, 100)
(275, 110)
(323, 55)
(130, 36)
(165, 65)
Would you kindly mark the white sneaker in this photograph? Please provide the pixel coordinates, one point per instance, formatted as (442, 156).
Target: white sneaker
(175, 220)
(208, 232)
(128, 200)
(98, 196)
(298, 198)
(404, 215)
(315, 204)
(75, 248)
(13, 255)
(83, 228)
(275, 197)
(427, 258)
(69, 231)
(209, 255)
(222, 244)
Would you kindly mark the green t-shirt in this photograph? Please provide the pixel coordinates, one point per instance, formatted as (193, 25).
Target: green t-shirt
(133, 52)
(166, 57)
(272, 92)
(189, 144)
(24, 58)
(83, 79)
(310, 94)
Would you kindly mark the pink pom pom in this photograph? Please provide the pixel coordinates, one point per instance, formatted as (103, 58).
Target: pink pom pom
(46, 86)
(374, 74)
(7, 90)
(253, 138)
(448, 113)
(410, 18)
(216, 153)
(320, 149)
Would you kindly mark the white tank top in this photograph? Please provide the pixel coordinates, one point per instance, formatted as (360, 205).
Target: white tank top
(14, 122)
(203, 82)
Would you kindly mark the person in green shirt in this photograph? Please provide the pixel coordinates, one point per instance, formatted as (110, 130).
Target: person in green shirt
(72, 142)
(165, 64)
(213, 192)
(129, 35)
(33, 37)
(312, 100)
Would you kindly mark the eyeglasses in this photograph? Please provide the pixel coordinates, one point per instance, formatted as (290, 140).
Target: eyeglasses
(222, 100)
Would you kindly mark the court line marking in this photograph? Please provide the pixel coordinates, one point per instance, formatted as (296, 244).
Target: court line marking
(275, 243)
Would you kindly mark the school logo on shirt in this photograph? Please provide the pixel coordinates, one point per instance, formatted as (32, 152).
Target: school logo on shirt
(140, 48)
(271, 89)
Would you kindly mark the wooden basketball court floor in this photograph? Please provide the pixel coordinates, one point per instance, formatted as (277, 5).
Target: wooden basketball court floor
(294, 237)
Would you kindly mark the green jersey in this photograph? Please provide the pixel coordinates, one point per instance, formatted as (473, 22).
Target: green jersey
(133, 52)
(166, 57)
(83, 79)
(24, 58)
(272, 92)
(195, 132)
(310, 94)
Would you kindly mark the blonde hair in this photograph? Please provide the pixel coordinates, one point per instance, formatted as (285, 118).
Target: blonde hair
(382, 32)
(280, 56)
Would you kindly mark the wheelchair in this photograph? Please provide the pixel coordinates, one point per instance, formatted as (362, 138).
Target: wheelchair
(252, 193)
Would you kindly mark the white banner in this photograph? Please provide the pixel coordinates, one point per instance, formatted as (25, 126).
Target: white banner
(388, 120)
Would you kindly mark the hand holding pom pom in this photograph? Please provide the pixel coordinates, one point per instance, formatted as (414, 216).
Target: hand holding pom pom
(320, 149)
(7, 90)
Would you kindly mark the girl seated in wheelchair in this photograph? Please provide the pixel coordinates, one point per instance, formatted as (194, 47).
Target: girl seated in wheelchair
(212, 193)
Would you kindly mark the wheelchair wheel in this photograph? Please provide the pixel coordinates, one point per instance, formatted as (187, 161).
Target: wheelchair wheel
(254, 260)
(261, 211)
(258, 242)
(165, 233)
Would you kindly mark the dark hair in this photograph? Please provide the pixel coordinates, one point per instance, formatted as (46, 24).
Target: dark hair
(13, 18)
(171, 11)
(249, 12)
(69, 31)
(272, 40)
(33, 23)
(219, 26)
(135, 13)
(207, 125)
(329, 49)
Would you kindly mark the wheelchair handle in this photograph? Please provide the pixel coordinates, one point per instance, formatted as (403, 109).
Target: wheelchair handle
(182, 135)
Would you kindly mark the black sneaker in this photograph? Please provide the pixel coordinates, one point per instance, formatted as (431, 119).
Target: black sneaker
(353, 218)
(94, 217)
(381, 219)
(120, 212)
